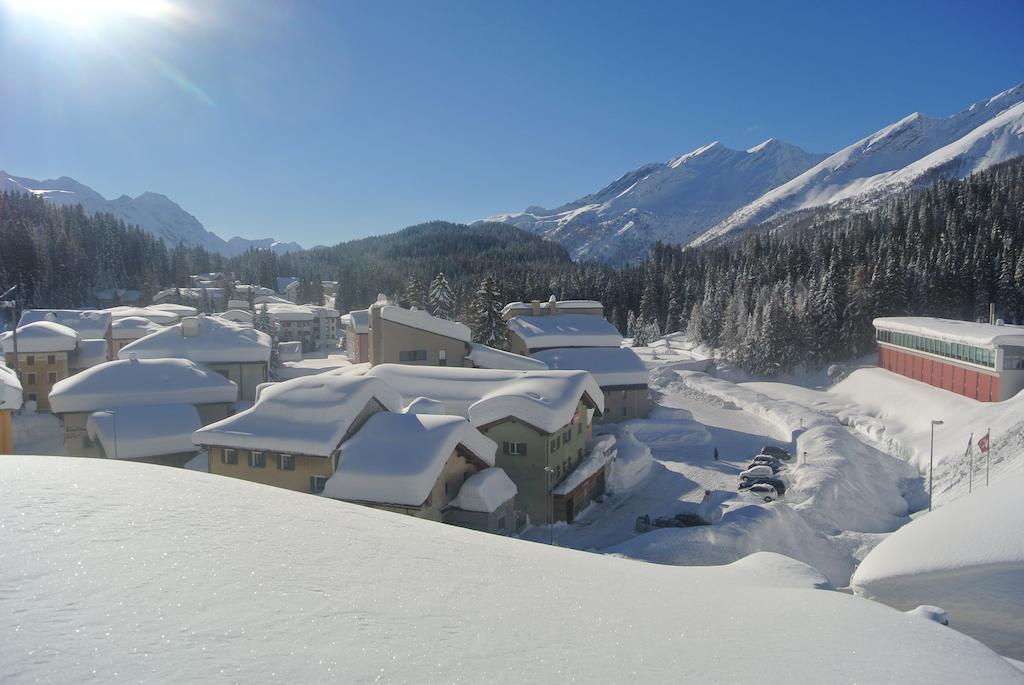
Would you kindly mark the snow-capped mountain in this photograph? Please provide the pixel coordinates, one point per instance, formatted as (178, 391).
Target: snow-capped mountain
(153, 212)
(914, 151)
(672, 201)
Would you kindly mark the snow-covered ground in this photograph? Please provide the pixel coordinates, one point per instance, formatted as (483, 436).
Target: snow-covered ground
(122, 571)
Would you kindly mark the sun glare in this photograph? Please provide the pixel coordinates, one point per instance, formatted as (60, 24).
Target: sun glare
(90, 13)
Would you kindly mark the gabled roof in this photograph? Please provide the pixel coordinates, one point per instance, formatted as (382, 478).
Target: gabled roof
(160, 316)
(41, 336)
(88, 323)
(397, 458)
(417, 318)
(546, 400)
(609, 366)
(307, 415)
(144, 431)
(127, 383)
(216, 340)
(565, 330)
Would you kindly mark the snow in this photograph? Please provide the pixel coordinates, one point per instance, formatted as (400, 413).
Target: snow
(610, 366)
(113, 570)
(308, 415)
(486, 357)
(41, 336)
(182, 310)
(289, 351)
(10, 390)
(559, 305)
(88, 323)
(137, 432)
(424, 321)
(290, 312)
(397, 458)
(485, 491)
(200, 462)
(951, 330)
(358, 319)
(599, 453)
(218, 340)
(632, 464)
(565, 330)
(133, 328)
(127, 383)
(162, 317)
(967, 557)
(237, 315)
(425, 405)
(90, 353)
(312, 364)
(546, 400)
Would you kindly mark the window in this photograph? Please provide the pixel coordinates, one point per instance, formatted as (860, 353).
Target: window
(30, 360)
(442, 358)
(51, 359)
(51, 378)
(554, 444)
(285, 462)
(30, 378)
(31, 397)
(567, 436)
(317, 483)
(257, 460)
(229, 456)
(517, 448)
(412, 356)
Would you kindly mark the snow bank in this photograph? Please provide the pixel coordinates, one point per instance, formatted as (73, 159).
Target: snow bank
(599, 452)
(353, 594)
(397, 458)
(144, 431)
(10, 390)
(424, 321)
(610, 366)
(632, 464)
(215, 340)
(486, 357)
(41, 336)
(127, 383)
(88, 323)
(485, 491)
(967, 557)
(565, 330)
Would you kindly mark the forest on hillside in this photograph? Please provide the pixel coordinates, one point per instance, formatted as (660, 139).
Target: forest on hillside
(769, 301)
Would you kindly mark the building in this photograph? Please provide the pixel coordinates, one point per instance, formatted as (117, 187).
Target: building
(10, 402)
(487, 502)
(90, 324)
(238, 316)
(239, 353)
(552, 306)
(621, 374)
(47, 353)
(140, 409)
(316, 327)
(404, 336)
(161, 317)
(129, 329)
(291, 436)
(529, 334)
(288, 287)
(417, 464)
(540, 420)
(356, 325)
(979, 360)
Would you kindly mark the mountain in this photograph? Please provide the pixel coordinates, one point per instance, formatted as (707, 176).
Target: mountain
(672, 201)
(912, 152)
(153, 212)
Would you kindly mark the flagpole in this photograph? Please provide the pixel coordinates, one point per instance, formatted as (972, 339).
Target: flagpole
(988, 455)
(970, 451)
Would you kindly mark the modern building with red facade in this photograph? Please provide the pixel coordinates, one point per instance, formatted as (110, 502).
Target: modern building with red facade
(982, 361)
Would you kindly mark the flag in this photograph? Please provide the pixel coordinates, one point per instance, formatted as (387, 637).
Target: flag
(983, 443)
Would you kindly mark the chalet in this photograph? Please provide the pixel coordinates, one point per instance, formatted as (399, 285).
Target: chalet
(140, 409)
(529, 334)
(10, 402)
(618, 370)
(47, 353)
(239, 353)
(291, 436)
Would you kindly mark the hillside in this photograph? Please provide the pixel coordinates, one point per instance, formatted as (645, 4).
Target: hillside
(128, 571)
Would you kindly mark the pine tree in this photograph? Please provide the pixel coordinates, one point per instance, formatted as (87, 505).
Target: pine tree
(441, 297)
(485, 318)
(414, 295)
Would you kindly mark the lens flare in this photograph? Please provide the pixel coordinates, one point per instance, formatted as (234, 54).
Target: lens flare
(89, 13)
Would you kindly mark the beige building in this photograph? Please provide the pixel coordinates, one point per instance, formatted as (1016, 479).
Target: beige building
(47, 353)
(239, 353)
(291, 436)
(529, 334)
(314, 326)
(140, 409)
(356, 325)
(552, 306)
(403, 336)
(621, 374)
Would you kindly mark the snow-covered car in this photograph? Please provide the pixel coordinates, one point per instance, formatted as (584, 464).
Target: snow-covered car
(758, 471)
(764, 460)
(685, 520)
(777, 452)
(776, 483)
(763, 492)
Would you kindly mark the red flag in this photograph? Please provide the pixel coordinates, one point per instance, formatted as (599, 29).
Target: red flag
(983, 443)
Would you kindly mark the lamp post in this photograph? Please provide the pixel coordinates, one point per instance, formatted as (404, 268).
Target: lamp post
(931, 462)
(551, 507)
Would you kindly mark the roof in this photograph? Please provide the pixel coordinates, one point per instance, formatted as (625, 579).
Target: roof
(133, 328)
(546, 400)
(487, 357)
(610, 366)
(358, 319)
(397, 458)
(307, 415)
(126, 383)
(144, 430)
(88, 323)
(237, 315)
(290, 312)
(559, 305)
(10, 389)
(41, 336)
(951, 330)
(418, 318)
(597, 458)
(565, 330)
(485, 491)
(162, 317)
(90, 353)
(217, 340)
(181, 310)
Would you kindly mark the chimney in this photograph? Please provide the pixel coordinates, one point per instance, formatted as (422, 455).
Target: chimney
(535, 307)
(992, 313)
(552, 305)
(190, 327)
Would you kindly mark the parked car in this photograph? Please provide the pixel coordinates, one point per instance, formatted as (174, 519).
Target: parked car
(758, 471)
(766, 460)
(777, 452)
(645, 523)
(763, 492)
(776, 483)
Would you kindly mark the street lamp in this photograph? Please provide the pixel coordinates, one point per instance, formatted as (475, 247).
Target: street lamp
(551, 507)
(931, 462)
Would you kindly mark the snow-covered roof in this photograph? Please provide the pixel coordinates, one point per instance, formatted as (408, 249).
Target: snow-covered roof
(237, 315)
(290, 312)
(485, 491)
(610, 366)
(565, 330)
(306, 415)
(88, 323)
(10, 389)
(418, 318)
(487, 357)
(90, 353)
(951, 330)
(144, 430)
(289, 351)
(425, 405)
(595, 460)
(358, 319)
(133, 328)
(210, 340)
(182, 310)
(41, 336)
(545, 400)
(162, 317)
(397, 458)
(127, 382)
(559, 305)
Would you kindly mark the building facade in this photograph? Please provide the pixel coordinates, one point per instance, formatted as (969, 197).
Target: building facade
(403, 336)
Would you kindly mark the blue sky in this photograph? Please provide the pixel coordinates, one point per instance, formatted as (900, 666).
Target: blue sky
(323, 121)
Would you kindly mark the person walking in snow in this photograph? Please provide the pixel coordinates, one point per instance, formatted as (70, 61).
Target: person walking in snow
(716, 454)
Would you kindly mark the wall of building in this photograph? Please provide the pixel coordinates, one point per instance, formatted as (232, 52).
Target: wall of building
(962, 379)
(357, 345)
(299, 479)
(622, 403)
(39, 372)
(567, 507)
(517, 345)
(246, 375)
(501, 521)
(389, 338)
